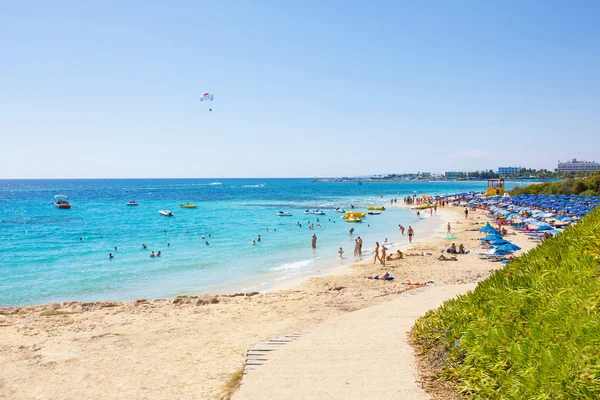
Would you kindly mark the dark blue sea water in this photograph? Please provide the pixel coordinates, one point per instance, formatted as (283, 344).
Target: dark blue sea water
(43, 258)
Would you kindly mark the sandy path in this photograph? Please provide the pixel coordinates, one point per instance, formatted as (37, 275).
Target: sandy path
(361, 355)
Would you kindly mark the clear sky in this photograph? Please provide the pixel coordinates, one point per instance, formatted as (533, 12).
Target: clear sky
(304, 88)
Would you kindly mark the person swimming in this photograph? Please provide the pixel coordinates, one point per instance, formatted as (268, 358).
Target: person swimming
(152, 254)
(158, 254)
(144, 246)
(110, 255)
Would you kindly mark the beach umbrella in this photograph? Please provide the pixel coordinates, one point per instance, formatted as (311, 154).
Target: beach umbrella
(544, 228)
(489, 238)
(499, 242)
(488, 229)
(448, 236)
(508, 247)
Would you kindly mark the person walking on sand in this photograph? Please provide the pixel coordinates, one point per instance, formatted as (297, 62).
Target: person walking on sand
(449, 227)
(382, 258)
(341, 253)
(314, 241)
(411, 233)
(466, 213)
(376, 252)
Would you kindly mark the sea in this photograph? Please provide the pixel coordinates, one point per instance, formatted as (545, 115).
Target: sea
(49, 254)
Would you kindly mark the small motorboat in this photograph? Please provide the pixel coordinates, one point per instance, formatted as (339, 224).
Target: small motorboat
(308, 212)
(188, 205)
(62, 201)
(374, 212)
(318, 212)
(284, 214)
(354, 219)
(166, 213)
(133, 203)
(340, 210)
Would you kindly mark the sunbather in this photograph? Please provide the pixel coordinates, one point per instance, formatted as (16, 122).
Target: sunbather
(399, 255)
(384, 277)
(444, 258)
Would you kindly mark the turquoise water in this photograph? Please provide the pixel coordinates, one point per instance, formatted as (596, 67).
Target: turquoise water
(43, 258)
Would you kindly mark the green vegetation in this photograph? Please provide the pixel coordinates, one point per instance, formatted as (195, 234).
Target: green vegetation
(529, 331)
(587, 186)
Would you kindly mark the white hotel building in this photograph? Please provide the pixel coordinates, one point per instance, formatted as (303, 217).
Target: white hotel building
(576, 165)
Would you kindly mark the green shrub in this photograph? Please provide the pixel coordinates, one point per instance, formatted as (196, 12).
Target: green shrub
(529, 331)
(568, 186)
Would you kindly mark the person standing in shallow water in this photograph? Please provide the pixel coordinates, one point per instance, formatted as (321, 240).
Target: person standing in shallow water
(411, 233)
(355, 247)
(314, 241)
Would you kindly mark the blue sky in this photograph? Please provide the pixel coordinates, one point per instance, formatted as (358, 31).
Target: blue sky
(106, 89)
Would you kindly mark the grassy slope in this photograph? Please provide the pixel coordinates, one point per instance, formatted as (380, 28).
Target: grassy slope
(529, 331)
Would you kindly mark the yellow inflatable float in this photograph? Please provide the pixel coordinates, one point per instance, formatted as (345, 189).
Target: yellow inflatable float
(354, 216)
(378, 208)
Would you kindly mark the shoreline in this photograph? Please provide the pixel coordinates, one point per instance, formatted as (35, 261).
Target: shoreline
(189, 346)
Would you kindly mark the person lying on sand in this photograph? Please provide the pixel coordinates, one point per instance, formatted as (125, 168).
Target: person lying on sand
(384, 277)
(424, 254)
(444, 258)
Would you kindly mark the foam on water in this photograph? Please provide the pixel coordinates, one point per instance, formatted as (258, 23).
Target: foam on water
(293, 265)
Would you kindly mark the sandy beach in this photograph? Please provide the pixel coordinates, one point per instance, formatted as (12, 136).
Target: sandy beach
(189, 347)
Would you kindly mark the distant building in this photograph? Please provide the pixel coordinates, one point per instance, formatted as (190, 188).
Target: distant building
(576, 165)
(453, 175)
(508, 171)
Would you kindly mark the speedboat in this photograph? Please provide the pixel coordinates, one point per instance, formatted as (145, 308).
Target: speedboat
(133, 203)
(284, 214)
(318, 212)
(374, 212)
(308, 212)
(188, 205)
(166, 213)
(354, 219)
(62, 201)
(340, 210)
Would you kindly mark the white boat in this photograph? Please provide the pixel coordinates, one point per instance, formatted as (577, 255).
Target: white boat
(340, 210)
(133, 203)
(318, 212)
(166, 213)
(284, 214)
(308, 212)
(374, 212)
